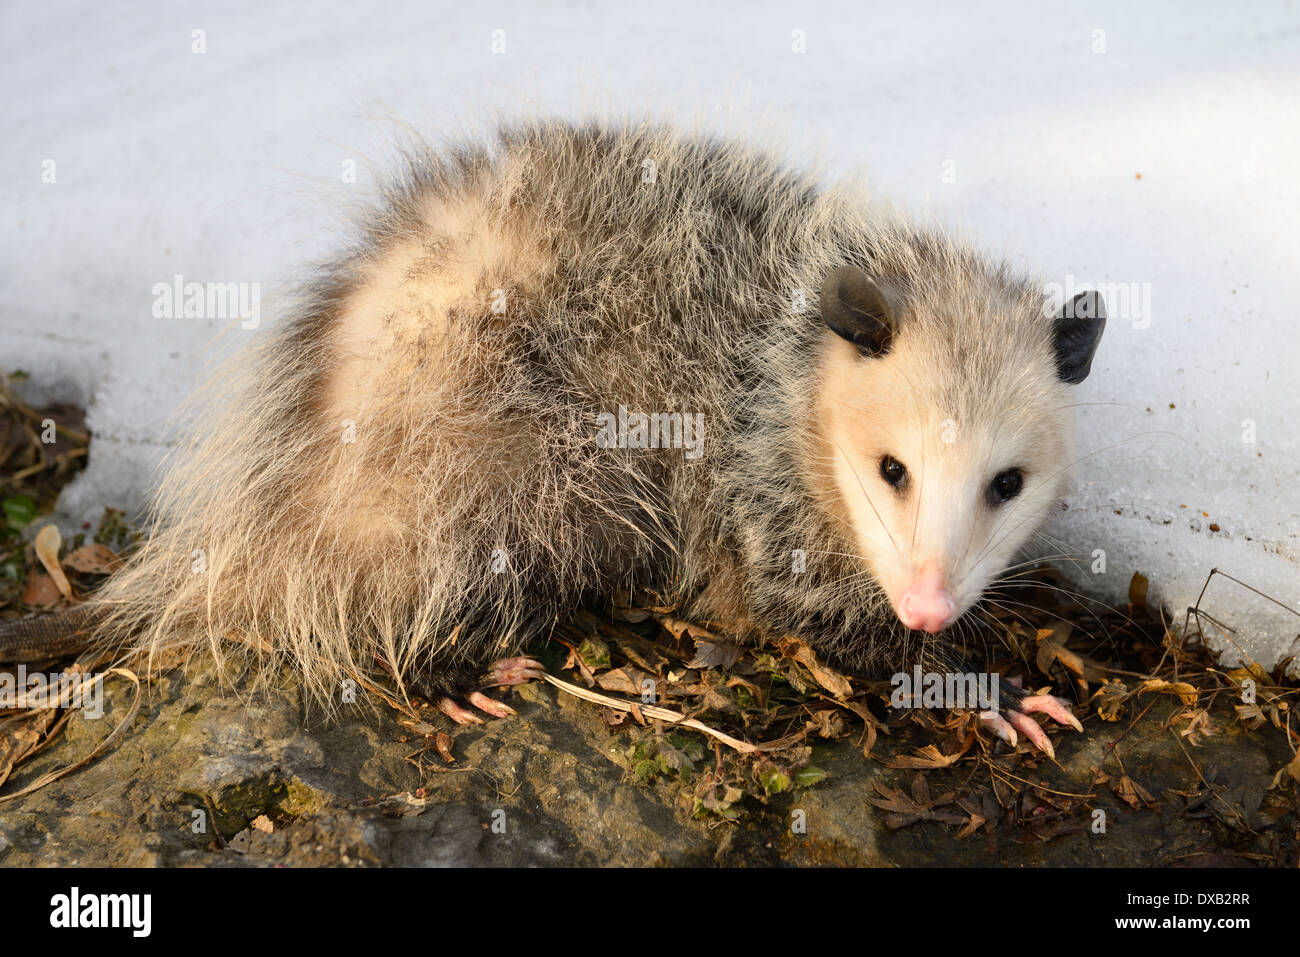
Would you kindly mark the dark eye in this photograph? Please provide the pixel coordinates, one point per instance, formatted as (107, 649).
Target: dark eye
(1006, 485)
(893, 471)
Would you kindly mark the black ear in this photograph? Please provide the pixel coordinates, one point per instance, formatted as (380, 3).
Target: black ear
(1076, 332)
(858, 308)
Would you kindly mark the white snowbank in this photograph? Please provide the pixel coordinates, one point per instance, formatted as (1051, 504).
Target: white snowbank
(1151, 146)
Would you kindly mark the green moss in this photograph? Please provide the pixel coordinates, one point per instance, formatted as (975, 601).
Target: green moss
(236, 807)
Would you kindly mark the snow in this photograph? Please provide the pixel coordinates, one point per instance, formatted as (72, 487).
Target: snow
(1112, 143)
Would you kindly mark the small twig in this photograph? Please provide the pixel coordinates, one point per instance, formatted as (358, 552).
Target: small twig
(99, 748)
(654, 711)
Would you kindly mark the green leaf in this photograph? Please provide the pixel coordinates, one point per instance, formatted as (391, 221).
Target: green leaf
(19, 512)
(807, 777)
(688, 744)
(774, 781)
(594, 653)
(722, 806)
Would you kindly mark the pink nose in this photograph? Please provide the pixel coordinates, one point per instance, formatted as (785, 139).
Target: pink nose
(926, 604)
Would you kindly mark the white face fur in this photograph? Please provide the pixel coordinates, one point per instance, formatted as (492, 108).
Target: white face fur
(926, 488)
(945, 463)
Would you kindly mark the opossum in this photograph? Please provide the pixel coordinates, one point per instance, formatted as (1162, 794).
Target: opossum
(583, 361)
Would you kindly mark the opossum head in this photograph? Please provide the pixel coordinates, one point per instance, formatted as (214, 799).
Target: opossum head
(946, 417)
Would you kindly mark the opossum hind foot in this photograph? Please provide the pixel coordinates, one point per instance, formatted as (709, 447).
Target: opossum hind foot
(507, 671)
(513, 671)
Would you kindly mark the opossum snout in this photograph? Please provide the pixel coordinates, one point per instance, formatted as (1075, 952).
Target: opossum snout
(926, 604)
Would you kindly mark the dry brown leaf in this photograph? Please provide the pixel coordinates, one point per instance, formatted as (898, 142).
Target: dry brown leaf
(1292, 770)
(1110, 698)
(870, 739)
(16, 743)
(47, 545)
(1252, 670)
(677, 628)
(930, 757)
(105, 744)
(1051, 647)
(977, 818)
(904, 810)
(1184, 691)
(714, 653)
(1132, 793)
(575, 661)
(41, 592)
(418, 725)
(829, 679)
(617, 680)
(1250, 715)
(93, 559)
(613, 717)
(861, 710)
(1198, 725)
(828, 723)
(442, 743)
(1137, 590)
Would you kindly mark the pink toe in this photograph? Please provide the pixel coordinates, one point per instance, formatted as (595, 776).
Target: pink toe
(458, 714)
(998, 725)
(1032, 732)
(1056, 709)
(490, 705)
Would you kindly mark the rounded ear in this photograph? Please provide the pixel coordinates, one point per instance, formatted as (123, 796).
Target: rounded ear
(858, 308)
(1076, 333)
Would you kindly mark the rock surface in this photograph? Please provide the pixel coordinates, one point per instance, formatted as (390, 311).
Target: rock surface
(211, 778)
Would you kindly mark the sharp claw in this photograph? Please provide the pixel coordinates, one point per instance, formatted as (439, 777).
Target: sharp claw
(1032, 732)
(999, 726)
(490, 706)
(1056, 709)
(458, 714)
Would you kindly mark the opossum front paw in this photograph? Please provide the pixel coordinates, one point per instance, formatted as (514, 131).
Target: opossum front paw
(1006, 723)
(461, 715)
